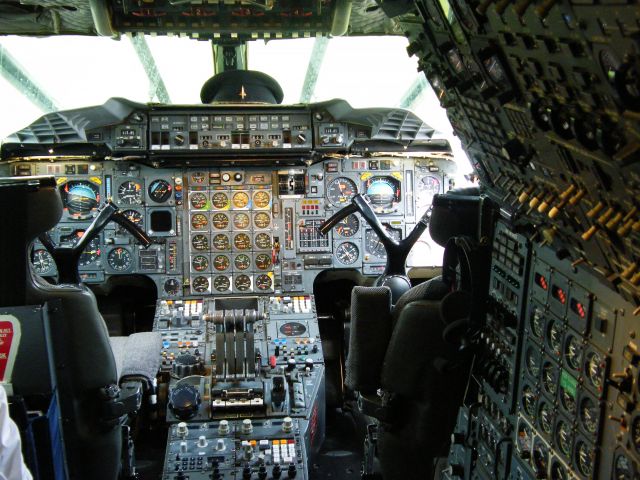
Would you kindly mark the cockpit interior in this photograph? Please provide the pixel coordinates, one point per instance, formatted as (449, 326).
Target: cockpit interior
(419, 261)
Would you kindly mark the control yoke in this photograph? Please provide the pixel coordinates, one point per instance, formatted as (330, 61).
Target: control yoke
(67, 257)
(395, 273)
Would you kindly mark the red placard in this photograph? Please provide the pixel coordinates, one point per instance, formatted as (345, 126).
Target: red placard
(9, 343)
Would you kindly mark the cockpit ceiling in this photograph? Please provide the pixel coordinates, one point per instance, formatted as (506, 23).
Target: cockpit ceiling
(203, 19)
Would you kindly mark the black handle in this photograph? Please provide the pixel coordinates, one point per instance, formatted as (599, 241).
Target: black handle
(139, 234)
(338, 216)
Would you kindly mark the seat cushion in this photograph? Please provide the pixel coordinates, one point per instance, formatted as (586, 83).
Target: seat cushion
(434, 289)
(137, 355)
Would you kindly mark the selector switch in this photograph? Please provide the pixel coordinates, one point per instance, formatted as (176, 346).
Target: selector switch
(223, 427)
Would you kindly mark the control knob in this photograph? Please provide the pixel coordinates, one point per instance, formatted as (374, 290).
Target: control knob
(226, 177)
(301, 138)
(184, 401)
(178, 140)
(186, 365)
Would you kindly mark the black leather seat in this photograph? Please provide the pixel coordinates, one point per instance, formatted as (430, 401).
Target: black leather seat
(93, 444)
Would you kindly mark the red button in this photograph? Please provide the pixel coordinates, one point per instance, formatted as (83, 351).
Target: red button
(273, 361)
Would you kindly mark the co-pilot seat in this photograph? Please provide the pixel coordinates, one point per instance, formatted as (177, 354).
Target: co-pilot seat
(90, 364)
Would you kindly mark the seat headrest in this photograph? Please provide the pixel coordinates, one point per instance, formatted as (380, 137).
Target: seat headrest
(455, 214)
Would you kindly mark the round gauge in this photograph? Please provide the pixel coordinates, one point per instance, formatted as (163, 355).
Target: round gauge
(221, 263)
(347, 253)
(90, 254)
(594, 366)
(242, 283)
(529, 401)
(540, 458)
(119, 259)
(220, 221)
(572, 352)
(133, 216)
(537, 322)
(220, 200)
(554, 337)
(455, 61)
(532, 361)
(584, 456)
(545, 415)
(261, 199)
(200, 242)
(200, 284)
(428, 186)
(159, 190)
(623, 468)
(263, 261)
(240, 199)
(171, 287)
(199, 263)
(262, 220)
(348, 227)
(242, 262)
(340, 191)
(197, 178)
(634, 433)
(563, 438)
(373, 245)
(383, 193)
(494, 69)
(198, 200)
(558, 472)
(221, 283)
(80, 198)
(221, 242)
(524, 441)
(549, 381)
(293, 329)
(589, 414)
(568, 401)
(130, 193)
(199, 221)
(263, 282)
(241, 220)
(263, 241)
(242, 241)
(42, 262)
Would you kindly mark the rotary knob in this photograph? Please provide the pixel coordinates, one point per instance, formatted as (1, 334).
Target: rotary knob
(184, 401)
(186, 365)
(178, 140)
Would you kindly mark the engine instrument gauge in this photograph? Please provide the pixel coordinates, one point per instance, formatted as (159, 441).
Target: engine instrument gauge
(263, 241)
(90, 254)
(171, 287)
(558, 472)
(220, 221)
(241, 220)
(159, 190)
(348, 227)
(634, 433)
(242, 241)
(261, 199)
(130, 193)
(537, 322)
(200, 284)
(624, 469)
(545, 416)
(549, 378)
(428, 186)
(263, 282)
(532, 361)
(563, 438)
(263, 261)
(240, 199)
(80, 198)
(200, 242)
(221, 263)
(524, 441)
(584, 457)
(242, 262)
(42, 262)
(221, 283)
(594, 366)
(198, 200)
(242, 283)
(199, 263)
(540, 458)
(340, 191)
(119, 259)
(495, 70)
(568, 401)
(529, 401)
(383, 193)
(347, 253)
(573, 352)
(133, 216)
(262, 220)
(554, 337)
(373, 245)
(453, 56)
(220, 201)
(199, 221)
(589, 414)
(221, 242)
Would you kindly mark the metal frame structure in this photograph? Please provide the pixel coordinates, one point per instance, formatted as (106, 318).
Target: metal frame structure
(157, 88)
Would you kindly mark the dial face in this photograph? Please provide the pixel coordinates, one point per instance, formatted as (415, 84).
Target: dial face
(200, 242)
(242, 262)
(119, 259)
(133, 216)
(428, 186)
(623, 468)
(453, 56)
(242, 241)
(589, 415)
(263, 261)
(42, 262)
(494, 69)
(262, 220)
(529, 401)
(240, 199)
(220, 221)
(221, 242)
(383, 193)
(171, 287)
(221, 283)
(242, 283)
(532, 360)
(263, 282)
(340, 191)
(584, 458)
(549, 382)
(130, 193)
(241, 220)
(572, 351)
(374, 246)
(347, 253)
(558, 472)
(199, 263)
(568, 401)
(198, 200)
(554, 337)
(261, 199)
(221, 263)
(546, 417)
(159, 190)
(199, 221)
(537, 322)
(524, 440)
(197, 178)
(563, 437)
(595, 369)
(263, 241)
(90, 254)
(80, 198)
(220, 200)
(200, 284)
(540, 458)
(348, 227)
(634, 433)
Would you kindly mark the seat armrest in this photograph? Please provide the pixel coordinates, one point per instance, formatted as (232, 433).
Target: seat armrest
(120, 401)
